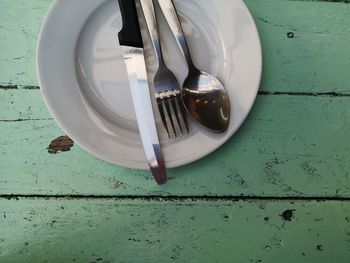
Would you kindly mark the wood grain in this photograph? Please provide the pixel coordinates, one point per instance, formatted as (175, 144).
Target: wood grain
(289, 146)
(22, 104)
(90, 230)
(304, 45)
(20, 22)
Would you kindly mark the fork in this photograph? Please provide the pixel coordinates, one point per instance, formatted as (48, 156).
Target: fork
(165, 84)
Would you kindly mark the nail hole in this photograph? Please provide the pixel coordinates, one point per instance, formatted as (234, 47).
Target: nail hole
(290, 34)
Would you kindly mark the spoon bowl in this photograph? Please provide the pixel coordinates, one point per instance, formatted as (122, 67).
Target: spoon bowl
(206, 101)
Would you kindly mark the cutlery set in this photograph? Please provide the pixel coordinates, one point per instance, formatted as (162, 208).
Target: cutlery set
(202, 95)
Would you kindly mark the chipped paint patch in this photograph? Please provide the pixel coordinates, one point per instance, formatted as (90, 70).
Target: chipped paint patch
(288, 215)
(319, 247)
(60, 144)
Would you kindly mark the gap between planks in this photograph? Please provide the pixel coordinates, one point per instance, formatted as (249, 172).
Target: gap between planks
(11, 87)
(329, 1)
(263, 93)
(305, 94)
(260, 93)
(173, 198)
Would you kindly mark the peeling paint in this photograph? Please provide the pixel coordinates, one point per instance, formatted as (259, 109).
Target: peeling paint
(60, 144)
(288, 215)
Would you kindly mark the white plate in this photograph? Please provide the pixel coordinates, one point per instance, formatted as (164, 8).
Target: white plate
(84, 81)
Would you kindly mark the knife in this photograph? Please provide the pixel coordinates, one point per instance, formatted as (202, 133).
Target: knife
(130, 40)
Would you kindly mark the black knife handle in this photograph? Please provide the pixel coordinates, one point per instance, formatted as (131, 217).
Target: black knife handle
(130, 34)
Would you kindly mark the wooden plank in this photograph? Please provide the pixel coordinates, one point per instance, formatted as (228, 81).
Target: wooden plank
(173, 231)
(305, 45)
(304, 51)
(289, 146)
(22, 104)
(20, 22)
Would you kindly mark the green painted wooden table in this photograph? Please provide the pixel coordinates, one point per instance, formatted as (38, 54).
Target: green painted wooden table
(278, 191)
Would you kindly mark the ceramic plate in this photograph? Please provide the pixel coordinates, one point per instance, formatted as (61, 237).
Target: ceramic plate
(84, 82)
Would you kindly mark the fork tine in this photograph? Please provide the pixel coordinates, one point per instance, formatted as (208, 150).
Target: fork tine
(183, 112)
(167, 106)
(174, 104)
(162, 115)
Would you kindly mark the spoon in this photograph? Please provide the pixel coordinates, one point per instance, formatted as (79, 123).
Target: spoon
(203, 95)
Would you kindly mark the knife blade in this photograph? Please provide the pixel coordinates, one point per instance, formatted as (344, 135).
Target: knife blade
(131, 42)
